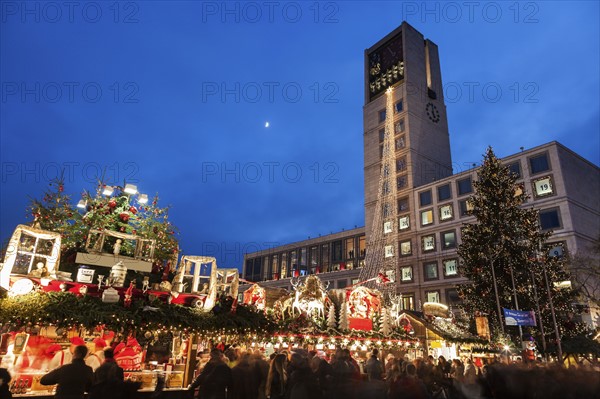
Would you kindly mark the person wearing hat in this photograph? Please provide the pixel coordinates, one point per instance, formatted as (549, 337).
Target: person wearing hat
(65, 356)
(95, 359)
(73, 379)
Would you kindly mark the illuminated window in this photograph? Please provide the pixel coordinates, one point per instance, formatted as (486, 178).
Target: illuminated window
(404, 222)
(450, 267)
(446, 212)
(426, 217)
(405, 248)
(433, 296)
(407, 273)
(543, 186)
(428, 243)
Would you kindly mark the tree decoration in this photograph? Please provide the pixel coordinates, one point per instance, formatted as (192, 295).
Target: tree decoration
(506, 237)
(343, 322)
(331, 319)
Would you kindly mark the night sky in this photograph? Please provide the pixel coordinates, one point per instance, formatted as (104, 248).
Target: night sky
(175, 97)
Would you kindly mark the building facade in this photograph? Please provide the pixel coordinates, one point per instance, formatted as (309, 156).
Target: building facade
(431, 201)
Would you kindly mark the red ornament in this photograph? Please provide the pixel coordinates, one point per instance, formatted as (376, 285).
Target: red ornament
(61, 188)
(133, 209)
(112, 203)
(124, 216)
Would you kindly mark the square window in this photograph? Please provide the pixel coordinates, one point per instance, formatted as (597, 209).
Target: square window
(400, 143)
(450, 267)
(448, 239)
(543, 186)
(408, 301)
(401, 164)
(403, 222)
(433, 296)
(428, 243)
(539, 163)
(405, 248)
(446, 212)
(425, 198)
(387, 227)
(465, 207)
(464, 186)
(550, 219)
(403, 204)
(399, 107)
(382, 115)
(515, 168)
(444, 192)
(402, 181)
(431, 270)
(407, 273)
(389, 251)
(426, 217)
(399, 126)
(381, 135)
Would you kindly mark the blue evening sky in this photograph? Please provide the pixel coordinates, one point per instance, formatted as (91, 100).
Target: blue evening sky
(174, 96)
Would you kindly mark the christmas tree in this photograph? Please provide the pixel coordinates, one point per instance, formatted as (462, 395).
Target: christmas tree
(385, 322)
(504, 250)
(331, 319)
(114, 212)
(343, 322)
(54, 212)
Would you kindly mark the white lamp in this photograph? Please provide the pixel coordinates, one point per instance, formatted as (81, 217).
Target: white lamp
(130, 189)
(108, 190)
(82, 204)
(143, 199)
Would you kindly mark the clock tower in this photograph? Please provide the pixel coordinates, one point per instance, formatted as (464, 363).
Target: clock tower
(408, 63)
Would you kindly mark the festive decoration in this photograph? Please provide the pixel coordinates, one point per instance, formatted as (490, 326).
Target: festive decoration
(331, 319)
(343, 322)
(381, 256)
(501, 251)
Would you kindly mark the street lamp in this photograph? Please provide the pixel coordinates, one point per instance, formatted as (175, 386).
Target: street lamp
(130, 189)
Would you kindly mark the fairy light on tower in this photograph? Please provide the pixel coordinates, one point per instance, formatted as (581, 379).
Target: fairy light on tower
(380, 259)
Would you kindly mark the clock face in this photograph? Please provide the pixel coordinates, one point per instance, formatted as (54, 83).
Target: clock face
(432, 113)
(386, 66)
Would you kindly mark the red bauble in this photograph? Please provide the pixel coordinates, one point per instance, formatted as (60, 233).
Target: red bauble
(124, 216)
(61, 188)
(133, 209)
(112, 203)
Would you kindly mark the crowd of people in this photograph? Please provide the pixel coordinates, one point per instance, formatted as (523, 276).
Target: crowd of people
(300, 374)
(306, 375)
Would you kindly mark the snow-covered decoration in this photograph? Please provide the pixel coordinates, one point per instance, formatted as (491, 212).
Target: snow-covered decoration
(385, 322)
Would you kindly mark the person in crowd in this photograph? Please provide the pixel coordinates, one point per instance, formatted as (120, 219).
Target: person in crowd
(65, 356)
(244, 380)
(457, 370)
(108, 378)
(322, 372)
(261, 370)
(215, 379)
(301, 384)
(73, 379)
(389, 361)
(96, 358)
(374, 367)
(277, 377)
(5, 384)
(408, 386)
